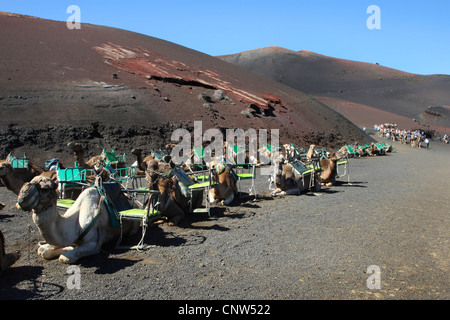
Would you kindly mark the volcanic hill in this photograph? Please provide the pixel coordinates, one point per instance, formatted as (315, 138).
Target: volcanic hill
(366, 93)
(111, 88)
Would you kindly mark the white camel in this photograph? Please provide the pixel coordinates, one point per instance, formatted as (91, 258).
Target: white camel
(80, 232)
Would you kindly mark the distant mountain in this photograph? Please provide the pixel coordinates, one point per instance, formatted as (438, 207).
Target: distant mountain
(358, 90)
(125, 89)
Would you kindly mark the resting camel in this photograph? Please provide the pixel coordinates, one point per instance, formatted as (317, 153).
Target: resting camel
(170, 208)
(78, 156)
(159, 177)
(373, 150)
(14, 179)
(225, 188)
(288, 182)
(329, 170)
(80, 232)
(93, 163)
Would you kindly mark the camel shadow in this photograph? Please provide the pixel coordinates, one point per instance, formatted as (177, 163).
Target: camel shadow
(104, 264)
(37, 289)
(323, 190)
(6, 217)
(353, 184)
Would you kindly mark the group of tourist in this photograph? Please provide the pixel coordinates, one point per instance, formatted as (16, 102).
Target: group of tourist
(412, 137)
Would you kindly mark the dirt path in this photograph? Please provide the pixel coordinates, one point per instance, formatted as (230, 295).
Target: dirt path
(393, 214)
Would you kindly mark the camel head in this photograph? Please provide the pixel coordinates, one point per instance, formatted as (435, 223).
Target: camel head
(76, 147)
(333, 157)
(38, 194)
(137, 152)
(5, 168)
(98, 166)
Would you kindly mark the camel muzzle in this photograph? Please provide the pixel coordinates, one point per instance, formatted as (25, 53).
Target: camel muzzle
(28, 197)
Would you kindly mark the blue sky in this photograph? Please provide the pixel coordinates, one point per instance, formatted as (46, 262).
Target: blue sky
(414, 35)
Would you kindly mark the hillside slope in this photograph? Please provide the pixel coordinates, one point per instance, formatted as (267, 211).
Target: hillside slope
(342, 84)
(118, 89)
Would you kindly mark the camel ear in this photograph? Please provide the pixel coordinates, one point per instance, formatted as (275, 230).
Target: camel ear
(8, 158)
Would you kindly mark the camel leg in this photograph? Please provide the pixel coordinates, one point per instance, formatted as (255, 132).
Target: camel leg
(293, 191)
(276, 192)
(228, 200)
(84, 250)
(48, 252)
(212, 196)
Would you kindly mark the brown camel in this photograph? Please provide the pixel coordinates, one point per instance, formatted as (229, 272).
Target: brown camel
(329, 167)
(170, 208)
(329, 170)
(289, 182)
(142, 162)
(373, 150)
(14, 179)
(225, 188)
(78, 155)
(93, 163)
(159, 177)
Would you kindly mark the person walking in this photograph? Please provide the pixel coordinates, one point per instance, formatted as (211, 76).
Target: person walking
(427, 142)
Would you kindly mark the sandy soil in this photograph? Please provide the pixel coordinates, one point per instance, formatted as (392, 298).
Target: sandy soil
(391, 212)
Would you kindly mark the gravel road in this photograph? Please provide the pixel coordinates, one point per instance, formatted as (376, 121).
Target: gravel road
(393, 215)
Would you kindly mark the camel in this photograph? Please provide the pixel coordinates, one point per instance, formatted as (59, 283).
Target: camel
(225, 188)
(329, 166)
(172, 203)
(14, 179)
(80, 232)
(169, 207)
(373, 150)
(92, 163)
(289, 182)
(78, 155)
(329, 170)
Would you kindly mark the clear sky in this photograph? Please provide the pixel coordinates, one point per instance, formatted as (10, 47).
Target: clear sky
(414, 35)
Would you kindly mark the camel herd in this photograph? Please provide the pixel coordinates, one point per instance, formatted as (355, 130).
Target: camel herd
(87, 223)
